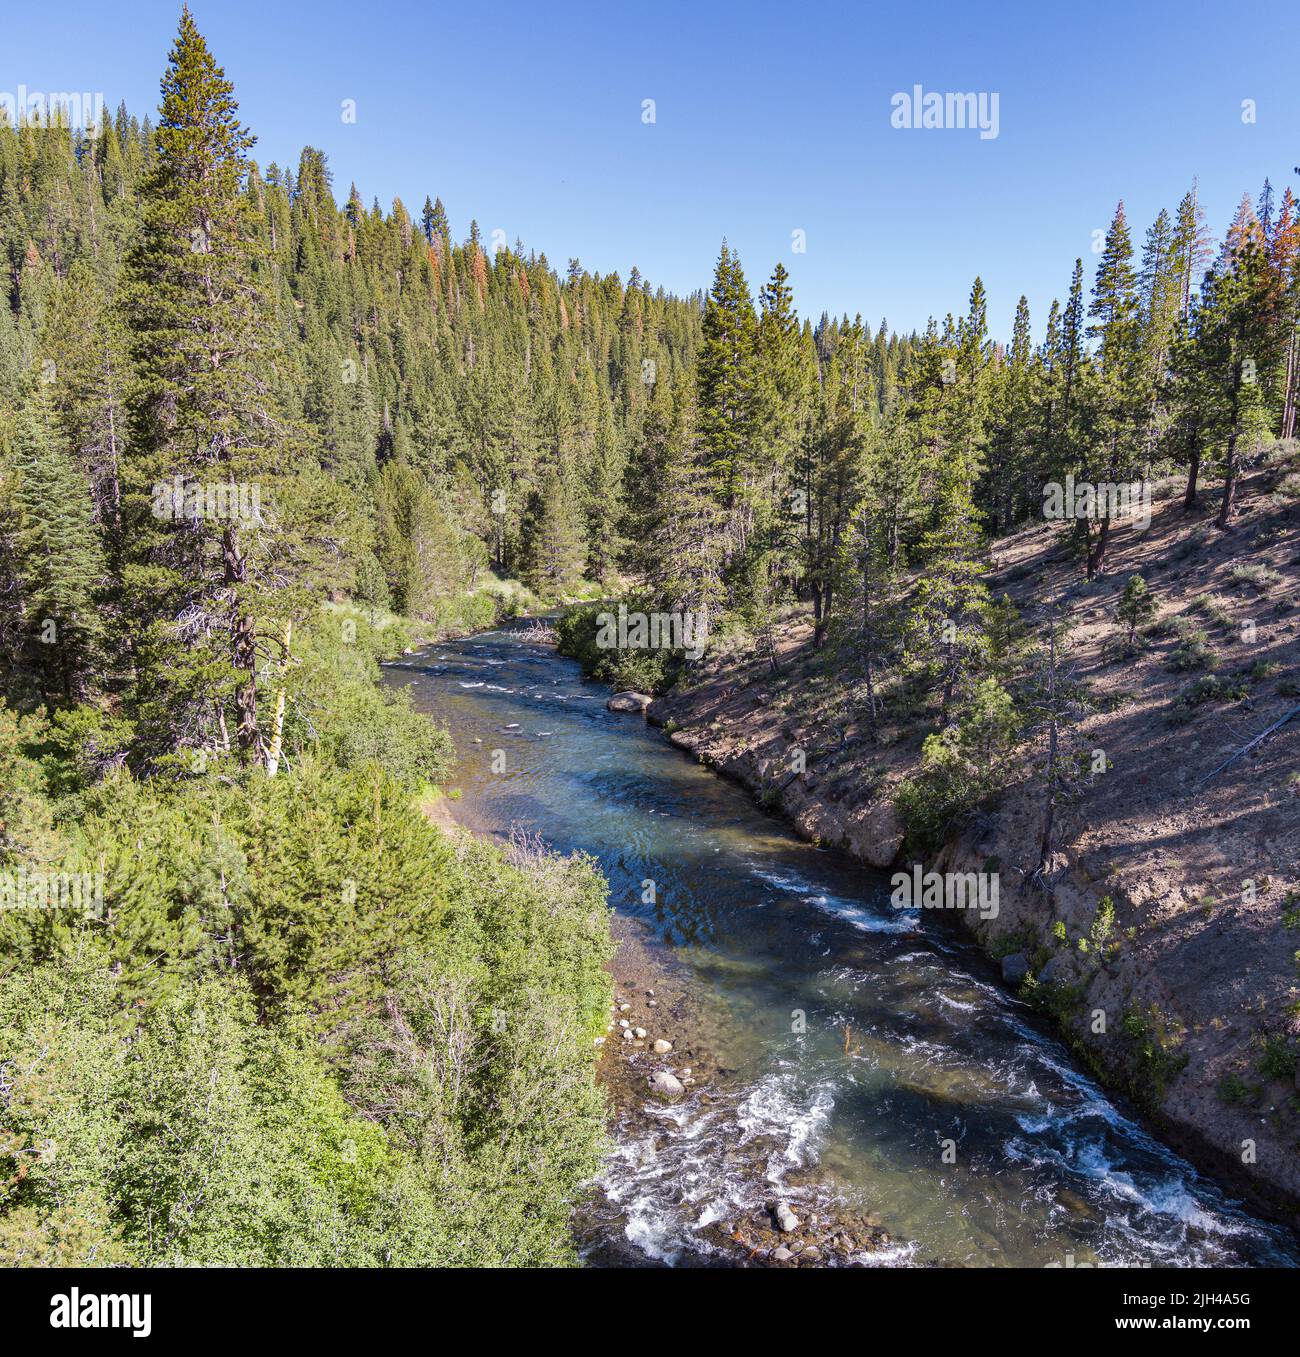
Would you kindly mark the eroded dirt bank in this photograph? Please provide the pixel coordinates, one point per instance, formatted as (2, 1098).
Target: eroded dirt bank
(1165, 937)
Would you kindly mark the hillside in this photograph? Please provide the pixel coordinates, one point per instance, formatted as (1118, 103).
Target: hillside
(1196, 973)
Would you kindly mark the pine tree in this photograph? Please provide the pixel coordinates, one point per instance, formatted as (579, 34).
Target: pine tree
(1191, 249)
(1136, 606)
(727, 403)
(1240, 335)
(1121, 397)
(204, 413)
(554, 550)
(59, 565)
(1012, 407)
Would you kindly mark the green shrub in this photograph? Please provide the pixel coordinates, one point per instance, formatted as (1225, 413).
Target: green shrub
(1192, 652)
(1277, 1058)
(1212, 688)
(1136, 607)
(1233, 1090)
(1215, 609)
(305, 1029)
(1255, 576)
(960, 767)
(646, 671)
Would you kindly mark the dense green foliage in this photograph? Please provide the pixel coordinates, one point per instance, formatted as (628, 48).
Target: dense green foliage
(624, 669)
(254, 1008)
(302, 1028)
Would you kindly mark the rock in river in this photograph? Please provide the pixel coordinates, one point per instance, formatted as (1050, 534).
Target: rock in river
(666, 1085)
(1014, 968)
(786, 1219)
(628, 702)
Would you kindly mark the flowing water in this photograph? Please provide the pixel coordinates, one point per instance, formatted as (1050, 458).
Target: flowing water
(787, 946)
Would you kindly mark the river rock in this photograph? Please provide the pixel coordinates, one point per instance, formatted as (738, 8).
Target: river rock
(1014, 969)
(662, 1047)
(628, 702)
(666, 1085)
(781, 1254)
(786, 1219)
(641, 1034)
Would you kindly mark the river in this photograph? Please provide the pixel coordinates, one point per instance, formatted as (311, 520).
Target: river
(865, 1053)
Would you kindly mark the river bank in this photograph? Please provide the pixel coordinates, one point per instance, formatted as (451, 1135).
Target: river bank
(852, 1058)
(1160, 941)
(798, 1221)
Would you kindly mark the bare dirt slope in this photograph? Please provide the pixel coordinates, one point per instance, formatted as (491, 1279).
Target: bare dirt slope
(1187, 997)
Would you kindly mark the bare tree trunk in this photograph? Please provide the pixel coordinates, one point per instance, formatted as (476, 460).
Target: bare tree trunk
(1097, 556)
(243, 647)
(277, 734)
(1289, 396)
(1045, 847)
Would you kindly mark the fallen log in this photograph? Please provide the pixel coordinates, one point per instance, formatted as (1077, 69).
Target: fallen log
(1246, 748)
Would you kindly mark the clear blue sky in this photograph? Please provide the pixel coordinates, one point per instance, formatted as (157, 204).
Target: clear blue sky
(770, 117)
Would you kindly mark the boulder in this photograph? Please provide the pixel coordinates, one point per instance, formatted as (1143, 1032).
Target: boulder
(666, 1085)
(1014, 969)
(1057, 971)
(628, 702)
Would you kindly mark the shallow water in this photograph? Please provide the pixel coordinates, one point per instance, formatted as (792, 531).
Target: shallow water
(1048, 1169)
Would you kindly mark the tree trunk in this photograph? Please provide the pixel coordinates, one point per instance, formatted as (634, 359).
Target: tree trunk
(243, 647)
(277, 735)
(1289, 396)
(1045, 846)
(1230, 466)
(1193, 475)
(1097, 557)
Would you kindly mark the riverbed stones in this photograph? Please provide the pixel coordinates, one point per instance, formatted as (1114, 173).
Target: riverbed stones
(786, 1220)
(665, 1085)
(662, 1047)
(641, 1034)
(1014, 969)
(628, 702)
